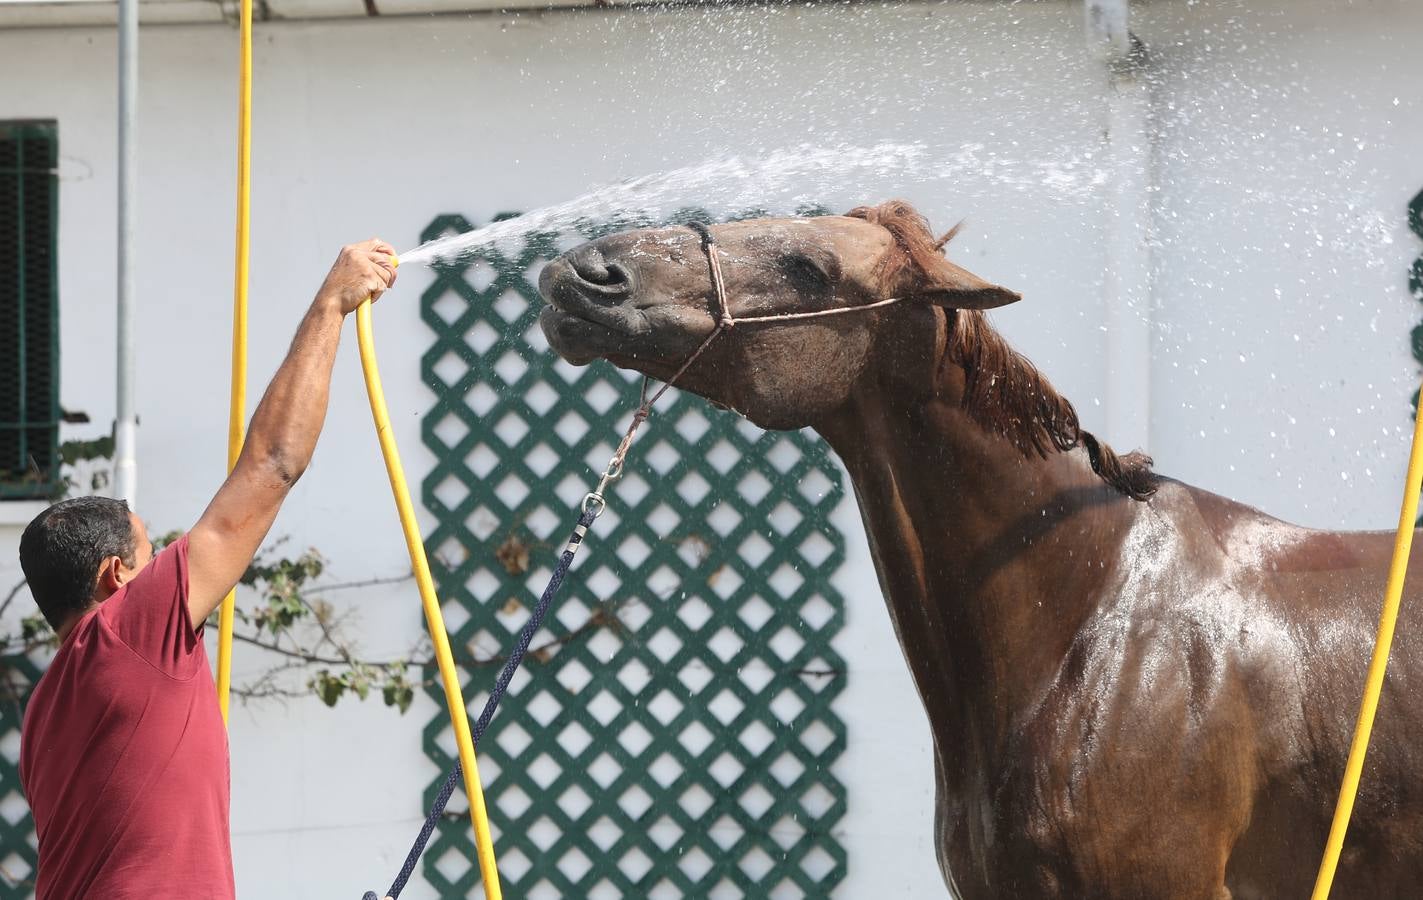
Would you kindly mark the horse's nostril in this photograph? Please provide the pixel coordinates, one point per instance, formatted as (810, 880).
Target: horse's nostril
(617, 275)
(589, 264)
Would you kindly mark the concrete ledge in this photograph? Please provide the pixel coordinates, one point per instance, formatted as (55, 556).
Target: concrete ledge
(19, 512)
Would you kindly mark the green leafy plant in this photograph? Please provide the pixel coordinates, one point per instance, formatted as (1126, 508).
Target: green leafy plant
(282, 611)
(286, 616)
(85, 462)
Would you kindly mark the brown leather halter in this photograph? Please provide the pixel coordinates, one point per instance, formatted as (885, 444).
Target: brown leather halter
(725, 322)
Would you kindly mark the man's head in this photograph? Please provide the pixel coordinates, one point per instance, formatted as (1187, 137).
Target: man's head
(79, 552)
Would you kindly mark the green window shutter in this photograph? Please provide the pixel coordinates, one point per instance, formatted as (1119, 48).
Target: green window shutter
(29, 310)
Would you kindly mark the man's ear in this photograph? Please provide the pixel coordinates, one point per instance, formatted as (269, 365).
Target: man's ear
(950, 286)
(111, 576)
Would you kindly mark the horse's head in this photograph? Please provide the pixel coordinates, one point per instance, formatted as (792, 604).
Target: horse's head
(646, 300)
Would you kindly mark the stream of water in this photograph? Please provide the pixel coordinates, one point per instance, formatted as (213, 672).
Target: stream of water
(783, 182)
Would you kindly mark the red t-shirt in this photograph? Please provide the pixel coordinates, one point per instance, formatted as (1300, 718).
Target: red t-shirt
(123, 754)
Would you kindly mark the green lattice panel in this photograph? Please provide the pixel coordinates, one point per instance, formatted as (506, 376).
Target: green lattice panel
(678, 740)
(18, 858)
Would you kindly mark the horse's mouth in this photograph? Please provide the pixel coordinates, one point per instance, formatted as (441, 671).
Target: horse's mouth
(580, 340)
(587, 320)
(583, 320)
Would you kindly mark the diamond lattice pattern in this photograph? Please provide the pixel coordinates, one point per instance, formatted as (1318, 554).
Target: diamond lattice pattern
(672, 734)
(18, 853)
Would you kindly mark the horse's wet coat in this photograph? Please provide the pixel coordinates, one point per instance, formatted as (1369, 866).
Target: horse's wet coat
(1129, 698)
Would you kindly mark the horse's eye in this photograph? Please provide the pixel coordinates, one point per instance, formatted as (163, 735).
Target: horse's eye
(805, 272)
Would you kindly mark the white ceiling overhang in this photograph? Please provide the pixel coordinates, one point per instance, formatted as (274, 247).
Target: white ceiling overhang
(80, 13)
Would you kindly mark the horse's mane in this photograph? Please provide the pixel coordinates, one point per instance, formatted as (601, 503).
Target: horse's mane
(1004, 393)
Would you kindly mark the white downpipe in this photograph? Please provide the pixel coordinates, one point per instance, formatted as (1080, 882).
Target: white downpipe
(1127, 283)
(126, 424)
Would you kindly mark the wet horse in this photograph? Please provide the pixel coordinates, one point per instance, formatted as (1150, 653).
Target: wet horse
(1136, 688)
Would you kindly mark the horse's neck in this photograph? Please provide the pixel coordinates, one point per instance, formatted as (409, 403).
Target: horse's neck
(989, 561)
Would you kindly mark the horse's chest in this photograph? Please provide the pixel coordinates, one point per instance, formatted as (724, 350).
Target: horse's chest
(1098, 772)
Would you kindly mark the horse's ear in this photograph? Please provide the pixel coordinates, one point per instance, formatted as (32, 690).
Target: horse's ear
(957, 288)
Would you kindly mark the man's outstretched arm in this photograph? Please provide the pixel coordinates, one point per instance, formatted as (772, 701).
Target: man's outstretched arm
(283, 432)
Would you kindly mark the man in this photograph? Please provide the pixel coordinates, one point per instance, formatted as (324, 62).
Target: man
(123, 754)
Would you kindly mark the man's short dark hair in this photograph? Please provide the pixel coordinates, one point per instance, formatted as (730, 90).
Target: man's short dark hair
(61, 549)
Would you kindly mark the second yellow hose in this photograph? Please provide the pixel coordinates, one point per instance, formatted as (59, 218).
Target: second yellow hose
(1373, 685)
(237, 410)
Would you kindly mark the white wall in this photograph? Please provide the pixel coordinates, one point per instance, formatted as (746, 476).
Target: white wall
(1279, 120)
(1290, 144)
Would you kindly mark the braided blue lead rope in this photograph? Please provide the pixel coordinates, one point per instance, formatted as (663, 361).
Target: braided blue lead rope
(591, 511)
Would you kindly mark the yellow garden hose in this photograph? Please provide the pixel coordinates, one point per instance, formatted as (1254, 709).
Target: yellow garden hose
(449, 675)
(237, 416)
(237, 410)
(1398, 570)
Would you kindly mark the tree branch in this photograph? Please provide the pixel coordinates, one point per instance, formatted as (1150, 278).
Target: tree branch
(598, 619)
(10, 597)
(370, 582)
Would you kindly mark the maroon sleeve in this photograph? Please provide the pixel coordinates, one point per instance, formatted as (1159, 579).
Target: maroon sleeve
(150, 614)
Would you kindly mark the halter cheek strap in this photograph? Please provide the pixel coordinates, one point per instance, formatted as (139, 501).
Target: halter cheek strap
(725, 320)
